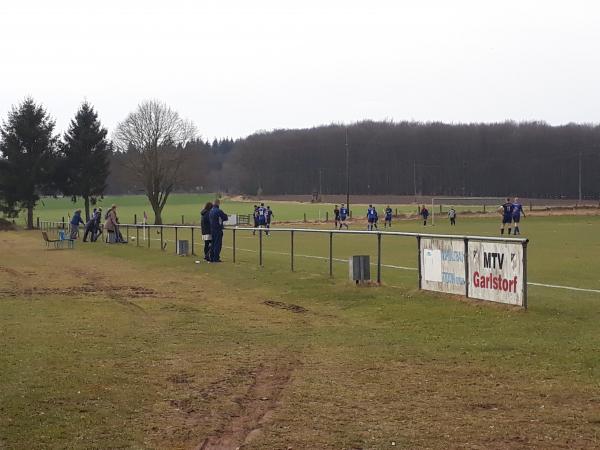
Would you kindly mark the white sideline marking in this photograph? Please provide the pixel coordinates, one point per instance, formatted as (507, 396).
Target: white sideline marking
(391, 266)
(570, 288)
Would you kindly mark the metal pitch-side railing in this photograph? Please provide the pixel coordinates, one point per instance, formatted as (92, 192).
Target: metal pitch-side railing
(192, 231)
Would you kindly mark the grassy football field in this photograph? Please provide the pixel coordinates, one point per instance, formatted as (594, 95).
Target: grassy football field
(125, 346)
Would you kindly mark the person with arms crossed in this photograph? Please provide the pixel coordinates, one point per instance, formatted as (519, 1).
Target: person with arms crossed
(216, 218)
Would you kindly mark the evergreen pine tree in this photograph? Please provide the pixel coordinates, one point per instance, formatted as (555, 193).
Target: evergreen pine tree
(27, 162)
(85, 153)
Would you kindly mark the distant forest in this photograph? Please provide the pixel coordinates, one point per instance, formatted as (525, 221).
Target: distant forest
(530, 159)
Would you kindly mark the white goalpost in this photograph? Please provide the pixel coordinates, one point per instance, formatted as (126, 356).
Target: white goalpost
(485, 204)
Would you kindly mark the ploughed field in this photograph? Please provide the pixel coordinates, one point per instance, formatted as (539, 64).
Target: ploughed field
(112, 346)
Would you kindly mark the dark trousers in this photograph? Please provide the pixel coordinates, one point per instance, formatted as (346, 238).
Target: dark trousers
(91, 231)
(215, 248)
(207, 250)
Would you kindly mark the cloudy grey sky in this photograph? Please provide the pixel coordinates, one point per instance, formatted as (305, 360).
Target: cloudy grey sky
(235, 67)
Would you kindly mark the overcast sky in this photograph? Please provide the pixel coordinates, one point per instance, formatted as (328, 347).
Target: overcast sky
(235, 67)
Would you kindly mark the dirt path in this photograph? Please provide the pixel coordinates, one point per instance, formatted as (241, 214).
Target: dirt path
(255, 407)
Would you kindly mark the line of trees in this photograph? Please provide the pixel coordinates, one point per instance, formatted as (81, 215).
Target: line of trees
(530, 159)
(151, 144)
(36, 161)
(156, 152)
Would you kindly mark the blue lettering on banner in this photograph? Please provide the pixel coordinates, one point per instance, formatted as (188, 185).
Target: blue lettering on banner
(450, 278)
(453, 256)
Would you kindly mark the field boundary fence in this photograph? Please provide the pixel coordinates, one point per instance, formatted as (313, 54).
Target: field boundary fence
(484, 267)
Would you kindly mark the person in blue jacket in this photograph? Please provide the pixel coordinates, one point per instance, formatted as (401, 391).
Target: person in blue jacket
(216, 218)
(75, 221)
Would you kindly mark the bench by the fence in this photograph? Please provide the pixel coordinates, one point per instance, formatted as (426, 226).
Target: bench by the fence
(57, 243)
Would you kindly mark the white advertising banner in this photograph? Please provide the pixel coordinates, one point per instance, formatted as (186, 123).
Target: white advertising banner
(496, 272)
(443, 265)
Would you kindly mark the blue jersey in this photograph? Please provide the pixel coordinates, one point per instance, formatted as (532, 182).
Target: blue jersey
(507, 209)
(371, 214)
(517, 210)
(388, 213)
(261, 214)
(343, 212)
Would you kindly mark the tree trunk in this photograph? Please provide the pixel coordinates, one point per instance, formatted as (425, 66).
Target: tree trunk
(30, 217)
(157, 210)
(86, 200)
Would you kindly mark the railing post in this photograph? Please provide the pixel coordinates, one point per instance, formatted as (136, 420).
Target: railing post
(148, 231)
(378, 257)
(193, 251)
(127, 233)
(182, 220)
(260, 255)
(467, 267)
(331, 254)
(419, 263)
(176, 244)
(326, 216)
(63, 223)
(137, 235)
(292, 250)
(38, 223)
(135, 219)
(233, 230)
(161, 238)
(525, 274)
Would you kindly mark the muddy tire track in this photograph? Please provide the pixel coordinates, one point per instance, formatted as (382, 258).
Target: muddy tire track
(261, 399)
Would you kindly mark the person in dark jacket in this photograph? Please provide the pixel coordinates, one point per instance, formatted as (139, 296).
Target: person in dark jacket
(205, 226)
(89, 227)
(75, 221)
(216, 218)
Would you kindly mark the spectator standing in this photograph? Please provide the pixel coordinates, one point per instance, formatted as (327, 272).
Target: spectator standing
(216, 218)
(205, 226)
(75, 221)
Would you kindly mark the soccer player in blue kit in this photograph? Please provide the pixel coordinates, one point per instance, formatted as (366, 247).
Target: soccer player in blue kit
(516, 215)
(261, 215)
(507, 215)
(371, 218)
(343, 216)
(388, 217)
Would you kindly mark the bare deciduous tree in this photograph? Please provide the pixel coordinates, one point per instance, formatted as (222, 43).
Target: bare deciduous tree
(152, 138)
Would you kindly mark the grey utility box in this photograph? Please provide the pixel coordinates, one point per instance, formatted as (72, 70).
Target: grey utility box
(360, 268)
(183, 247)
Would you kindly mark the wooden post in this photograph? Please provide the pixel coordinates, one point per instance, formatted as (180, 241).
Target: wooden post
(135, 219)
